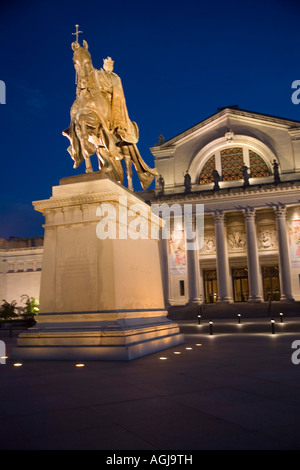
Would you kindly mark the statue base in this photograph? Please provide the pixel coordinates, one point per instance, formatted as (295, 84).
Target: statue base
(101, 292)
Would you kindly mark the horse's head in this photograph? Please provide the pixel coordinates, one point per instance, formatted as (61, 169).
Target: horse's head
(82, 59)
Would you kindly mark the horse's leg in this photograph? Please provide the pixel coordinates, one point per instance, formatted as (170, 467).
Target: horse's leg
(103, 159)
(88, 165)
(128, 165)
(83, 137)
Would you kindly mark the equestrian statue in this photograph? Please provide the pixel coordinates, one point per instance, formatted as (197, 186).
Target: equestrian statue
(100, 122)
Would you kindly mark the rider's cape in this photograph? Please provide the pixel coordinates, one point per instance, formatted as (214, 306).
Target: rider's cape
(119, 125)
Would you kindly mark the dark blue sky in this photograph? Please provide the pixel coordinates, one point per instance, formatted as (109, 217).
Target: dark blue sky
(178, 61)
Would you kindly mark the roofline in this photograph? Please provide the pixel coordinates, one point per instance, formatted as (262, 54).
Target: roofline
(234, 110)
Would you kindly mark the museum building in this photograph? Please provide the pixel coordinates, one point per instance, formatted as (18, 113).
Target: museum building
(244, 168)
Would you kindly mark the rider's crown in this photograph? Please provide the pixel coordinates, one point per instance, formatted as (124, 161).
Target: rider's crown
(108, 61)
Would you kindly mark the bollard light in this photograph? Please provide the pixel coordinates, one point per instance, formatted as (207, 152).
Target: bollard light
(199, 319)
(273, 326)
(211, 327)
(281, 317)
(239, 317)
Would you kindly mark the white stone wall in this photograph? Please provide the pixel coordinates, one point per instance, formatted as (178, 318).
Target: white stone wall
(20, 273)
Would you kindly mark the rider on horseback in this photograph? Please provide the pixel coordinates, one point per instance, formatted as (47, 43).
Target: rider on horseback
(100, 123)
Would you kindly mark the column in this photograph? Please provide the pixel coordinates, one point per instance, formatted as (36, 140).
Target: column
(194, 276)
(222, 259)
(284, 255)
(193, 268)
(163, 250)
(254, 278)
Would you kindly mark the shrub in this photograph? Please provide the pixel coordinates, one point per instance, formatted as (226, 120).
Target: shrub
(31, 305)
(7, 310)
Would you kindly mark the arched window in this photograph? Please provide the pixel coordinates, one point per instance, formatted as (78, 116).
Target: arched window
(207, 171)
(258, 167)
(229, 163)
(232, 161)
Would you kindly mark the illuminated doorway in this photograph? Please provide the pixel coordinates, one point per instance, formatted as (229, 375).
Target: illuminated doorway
(240, 284)
(271, 283)
(210, 286)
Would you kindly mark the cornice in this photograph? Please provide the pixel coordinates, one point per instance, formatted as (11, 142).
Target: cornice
(232, 194)
(81, 199)
(4, 251)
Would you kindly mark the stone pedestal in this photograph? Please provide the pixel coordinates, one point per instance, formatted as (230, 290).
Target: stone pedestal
(101, 291)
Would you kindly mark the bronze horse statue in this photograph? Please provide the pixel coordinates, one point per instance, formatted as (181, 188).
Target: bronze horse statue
(100, 123)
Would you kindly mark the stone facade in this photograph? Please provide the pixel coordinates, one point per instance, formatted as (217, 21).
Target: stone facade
(251, 236)
(20, 268)
(251, 243)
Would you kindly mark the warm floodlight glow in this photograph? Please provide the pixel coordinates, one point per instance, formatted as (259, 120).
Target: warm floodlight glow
(198, 344)
(177, 352)
(80, 365)
(163, 358)
(188, 349)
(18, 364)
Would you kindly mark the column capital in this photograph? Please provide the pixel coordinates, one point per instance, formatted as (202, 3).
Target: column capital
(219, 216)
(280, 211)
(249, 213)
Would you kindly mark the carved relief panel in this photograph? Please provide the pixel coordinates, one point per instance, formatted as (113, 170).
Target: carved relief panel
(267, 237)
(266, 231)
(236, 239)
(236, 233)
(209, 245)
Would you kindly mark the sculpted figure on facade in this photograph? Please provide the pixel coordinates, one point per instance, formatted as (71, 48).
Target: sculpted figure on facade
(187, 182)
(217, 179)
(209, 244)
(236, 239)
(276, 171)
(100, 123)
(161, 183)
(246, 176)
(267, 238)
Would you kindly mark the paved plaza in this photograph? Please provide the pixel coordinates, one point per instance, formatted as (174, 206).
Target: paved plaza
(234, 389)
